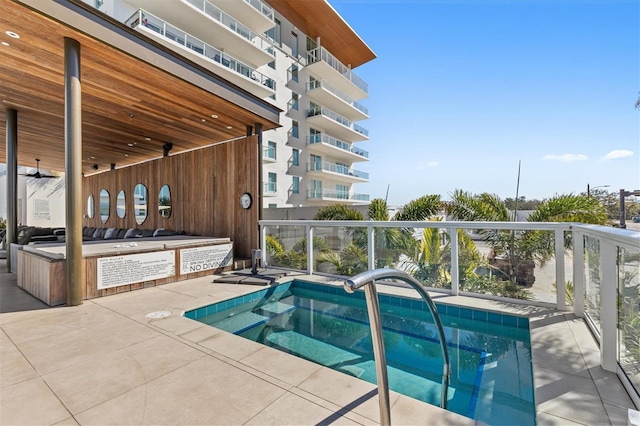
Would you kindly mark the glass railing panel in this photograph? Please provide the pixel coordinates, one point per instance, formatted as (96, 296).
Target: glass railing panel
(592, 279)
(330, 140)
(235, 26)
(176, 35)
(339, 250)
(360, 152)
(316, 84)
(360, 197)
(262, 8)
(322, 54)
(270, 187)
(361, 130)
(629, 315)
(318, 110)
(286, 247)
(269, 153)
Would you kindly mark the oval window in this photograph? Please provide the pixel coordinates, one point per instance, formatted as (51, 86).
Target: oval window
(164, 202)
(104, 205)
(140, 203)
(90, 207)
(120, 206)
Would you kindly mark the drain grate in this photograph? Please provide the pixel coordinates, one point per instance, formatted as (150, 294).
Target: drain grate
(158, 314)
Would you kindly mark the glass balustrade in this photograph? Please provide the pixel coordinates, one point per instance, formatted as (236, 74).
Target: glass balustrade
(147, 20)
(262, 8)
(269, 153)
(317, 84)
(337, 168)
(322, 54)
(315, 194)
(323, 138)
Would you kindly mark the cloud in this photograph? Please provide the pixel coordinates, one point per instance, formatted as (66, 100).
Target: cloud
(426, 165)
(566, 158)
(617, 153)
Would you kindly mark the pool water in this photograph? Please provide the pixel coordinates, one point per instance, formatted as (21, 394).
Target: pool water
(491, 376)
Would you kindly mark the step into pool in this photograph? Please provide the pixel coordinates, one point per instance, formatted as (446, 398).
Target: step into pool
(490, 355)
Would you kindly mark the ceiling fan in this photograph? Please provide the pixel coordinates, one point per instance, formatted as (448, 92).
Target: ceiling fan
(37, 174)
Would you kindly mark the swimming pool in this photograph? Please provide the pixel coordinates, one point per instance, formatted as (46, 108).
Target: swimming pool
(491, 374)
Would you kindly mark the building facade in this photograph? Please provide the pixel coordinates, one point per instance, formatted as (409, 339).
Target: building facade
(272, 51)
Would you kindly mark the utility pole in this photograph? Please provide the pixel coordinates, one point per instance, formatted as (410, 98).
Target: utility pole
(623, 214)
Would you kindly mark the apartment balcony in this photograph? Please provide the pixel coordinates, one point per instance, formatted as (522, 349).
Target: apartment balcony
(326, 94)
(324, 65)
(213, 26)
(334, 123)
(328, 145)
(255, 14)
(330, 196)
(268, 155)
(226, 66)
(339, 171)
(269, 189)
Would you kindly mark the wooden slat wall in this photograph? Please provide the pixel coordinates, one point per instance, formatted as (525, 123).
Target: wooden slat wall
(205, 187)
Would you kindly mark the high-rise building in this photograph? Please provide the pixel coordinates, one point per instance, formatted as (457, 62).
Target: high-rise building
(299, 56)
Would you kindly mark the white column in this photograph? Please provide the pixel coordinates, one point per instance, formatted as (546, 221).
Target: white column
(578, 274)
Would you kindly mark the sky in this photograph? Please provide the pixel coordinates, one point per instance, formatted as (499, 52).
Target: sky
(463, 91)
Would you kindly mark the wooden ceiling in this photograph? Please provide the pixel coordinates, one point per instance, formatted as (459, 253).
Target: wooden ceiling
(316, 18)
(130, 108)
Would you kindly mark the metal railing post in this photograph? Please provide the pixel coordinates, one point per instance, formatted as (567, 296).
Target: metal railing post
(310, 249)
(608, 305)
(371, 247)
(578, 273)
(560, 278)
(455, 270)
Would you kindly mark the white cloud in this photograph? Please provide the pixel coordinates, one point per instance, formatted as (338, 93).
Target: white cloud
(617, 153)
(566, 158)
(425, 165)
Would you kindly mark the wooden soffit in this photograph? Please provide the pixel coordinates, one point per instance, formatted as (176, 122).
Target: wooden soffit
(316, 18)
(136, 95)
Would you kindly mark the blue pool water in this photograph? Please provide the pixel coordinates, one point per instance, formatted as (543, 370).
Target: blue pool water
(491, 375)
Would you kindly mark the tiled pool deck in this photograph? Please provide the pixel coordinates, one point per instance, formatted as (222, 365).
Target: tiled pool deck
(104, 362)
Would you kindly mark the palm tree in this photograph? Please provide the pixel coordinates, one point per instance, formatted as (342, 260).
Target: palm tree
(523, 248)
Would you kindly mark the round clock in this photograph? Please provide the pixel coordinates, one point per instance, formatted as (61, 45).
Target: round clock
(245, 200)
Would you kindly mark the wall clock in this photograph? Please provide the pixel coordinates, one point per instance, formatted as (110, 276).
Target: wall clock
(246, 200)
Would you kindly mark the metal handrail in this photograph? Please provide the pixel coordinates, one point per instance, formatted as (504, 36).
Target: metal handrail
(373, 308)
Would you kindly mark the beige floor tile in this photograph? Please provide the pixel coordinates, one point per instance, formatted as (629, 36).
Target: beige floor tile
(563, 361)
(229, 345)
(618, 415)
(110, 374)
(611, 390)
(144, 302)
(68, 422)
(546, 419)
(286, 367)
(293, 410)
(409, 411)
(175, 324)
(30, 403)
(356, 418)
(346, 391)
(14, 367)
(206, 391)
(202, 332)
(568, 396)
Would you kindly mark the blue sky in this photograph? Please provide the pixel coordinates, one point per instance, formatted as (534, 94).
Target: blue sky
(462, 90)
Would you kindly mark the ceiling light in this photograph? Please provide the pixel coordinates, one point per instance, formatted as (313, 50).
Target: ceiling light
(147, 139)
(12, 34)
(4, 43)
(92, 158)
(229, 127)
(126, 155)
(129, 144)
(204, 120)
(214, 116)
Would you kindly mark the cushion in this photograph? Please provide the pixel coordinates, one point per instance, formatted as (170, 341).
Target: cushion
(148, 233)
(108, 234)
(155, 233)
(119, 233)
(99, 233)
(131, 232)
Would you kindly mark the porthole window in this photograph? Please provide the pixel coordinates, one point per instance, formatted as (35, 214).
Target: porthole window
(140, 202)
(90, 207)
(164, 202)
(104, 205)
(120, 205)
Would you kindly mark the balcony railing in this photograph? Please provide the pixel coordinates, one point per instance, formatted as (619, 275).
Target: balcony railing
(323, 138)
(269, 153)
(322, 54)
(593, 270)
(326, 112)
(228, 21)
(331, 89)
(197, 46)
(262, 8)
(270, 187)
(337, 168)
(314, 194)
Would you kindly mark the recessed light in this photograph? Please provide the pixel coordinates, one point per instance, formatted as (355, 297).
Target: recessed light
(12, 34)
(126, 155)
(4, 43)
(229, 127)
(204, 120)
(92, 158)
(214, 116)
(147, 139)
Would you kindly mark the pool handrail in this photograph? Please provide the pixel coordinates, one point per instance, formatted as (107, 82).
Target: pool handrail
(373, 308)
